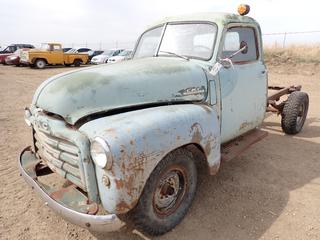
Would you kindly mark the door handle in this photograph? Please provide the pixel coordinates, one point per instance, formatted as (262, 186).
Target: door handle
(263, 71)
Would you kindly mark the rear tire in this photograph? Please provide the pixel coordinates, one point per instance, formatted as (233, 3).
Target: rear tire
(294, 112)
(77, 63)
(40, 63)
(167, 195)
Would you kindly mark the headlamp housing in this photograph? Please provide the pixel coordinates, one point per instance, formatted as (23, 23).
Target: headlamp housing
(100, 153)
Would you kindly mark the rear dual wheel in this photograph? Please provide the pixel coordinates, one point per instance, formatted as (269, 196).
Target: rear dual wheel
(167, 195)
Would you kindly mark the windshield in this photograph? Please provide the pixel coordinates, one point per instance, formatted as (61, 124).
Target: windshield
(9, 49)
(45, 46)
(193, 40)
(72, 50)
(108, 53)
(125, 53)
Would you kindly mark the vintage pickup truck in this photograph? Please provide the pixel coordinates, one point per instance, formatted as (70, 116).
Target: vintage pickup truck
(52, 54)
(128, 138)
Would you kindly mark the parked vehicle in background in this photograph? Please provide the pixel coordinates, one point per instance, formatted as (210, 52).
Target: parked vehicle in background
(130, 137)
(52, 54)
(96, 53)
(14, 47)
(9, 50)
(123, 56)
(66, 49)
(103, 58)
(3, 57)
(83, 51)
(14, 59)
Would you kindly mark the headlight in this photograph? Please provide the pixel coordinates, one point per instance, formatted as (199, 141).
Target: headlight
(100, 153)
(27, 115)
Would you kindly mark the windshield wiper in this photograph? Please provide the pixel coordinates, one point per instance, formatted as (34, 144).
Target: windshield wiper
(175, 54)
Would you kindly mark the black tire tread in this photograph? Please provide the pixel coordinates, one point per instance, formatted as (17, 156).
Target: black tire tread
(139, 217)
(291, 110)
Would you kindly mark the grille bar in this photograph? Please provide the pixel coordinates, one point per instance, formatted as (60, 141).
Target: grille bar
(59, 144)
(59, 153)
(62, 156)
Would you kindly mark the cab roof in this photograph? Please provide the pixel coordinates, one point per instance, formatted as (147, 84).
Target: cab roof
(216, 17)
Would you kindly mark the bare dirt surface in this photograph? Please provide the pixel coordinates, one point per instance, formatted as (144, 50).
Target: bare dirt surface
(272, 191)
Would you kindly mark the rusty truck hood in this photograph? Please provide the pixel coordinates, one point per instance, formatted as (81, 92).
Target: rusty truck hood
(103, 88)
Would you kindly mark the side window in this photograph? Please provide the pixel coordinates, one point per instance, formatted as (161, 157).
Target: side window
(238, 37)
(56, 48)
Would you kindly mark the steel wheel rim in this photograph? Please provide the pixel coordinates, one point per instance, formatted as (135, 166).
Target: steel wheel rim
(170, 191)
(301, 115)
(40, 64)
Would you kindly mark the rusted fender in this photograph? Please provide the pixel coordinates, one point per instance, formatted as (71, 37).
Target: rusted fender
(140, 139)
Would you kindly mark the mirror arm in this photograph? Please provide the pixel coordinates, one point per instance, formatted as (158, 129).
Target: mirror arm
(237, 52)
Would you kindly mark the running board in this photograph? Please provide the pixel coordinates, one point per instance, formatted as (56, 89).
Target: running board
(237, 146)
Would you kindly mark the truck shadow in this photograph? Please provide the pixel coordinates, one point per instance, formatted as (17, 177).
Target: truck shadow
(309, 130)
(249, 193)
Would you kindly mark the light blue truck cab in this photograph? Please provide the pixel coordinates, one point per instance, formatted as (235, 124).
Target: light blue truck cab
(128, 137)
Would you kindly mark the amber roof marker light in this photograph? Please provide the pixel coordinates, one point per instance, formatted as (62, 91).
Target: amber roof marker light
(243, 9)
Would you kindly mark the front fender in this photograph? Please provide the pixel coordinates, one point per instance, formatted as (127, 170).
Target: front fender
(140, 139)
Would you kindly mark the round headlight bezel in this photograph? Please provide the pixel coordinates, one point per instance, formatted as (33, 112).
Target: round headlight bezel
(27, 116)
(107, 164)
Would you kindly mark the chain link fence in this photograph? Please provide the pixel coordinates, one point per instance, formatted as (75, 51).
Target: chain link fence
(285, 39)
(282, 39)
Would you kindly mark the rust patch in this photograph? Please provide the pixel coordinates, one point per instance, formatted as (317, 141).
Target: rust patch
(196, 133)
(131, 142)
(207, 148)
(111, 132)
(122, 206)
(58, 195)
(244, 125)
(210, 144)
(93, 208)
(119, 183)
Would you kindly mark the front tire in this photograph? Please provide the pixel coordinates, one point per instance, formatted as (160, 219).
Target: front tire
(167, 195)
(294, 112)
(40, 64)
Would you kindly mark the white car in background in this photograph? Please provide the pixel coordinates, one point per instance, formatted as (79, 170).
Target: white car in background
(124, 55)
(103, 57)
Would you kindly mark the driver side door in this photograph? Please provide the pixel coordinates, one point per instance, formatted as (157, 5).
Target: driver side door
(56, 54)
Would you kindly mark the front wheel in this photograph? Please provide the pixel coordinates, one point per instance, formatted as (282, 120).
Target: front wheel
(294, 112)
(40, 64)
(167, 195)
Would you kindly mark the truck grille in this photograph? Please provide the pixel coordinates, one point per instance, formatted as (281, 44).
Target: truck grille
(62, 156)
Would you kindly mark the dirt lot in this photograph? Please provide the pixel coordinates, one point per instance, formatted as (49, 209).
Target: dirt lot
(272, 191)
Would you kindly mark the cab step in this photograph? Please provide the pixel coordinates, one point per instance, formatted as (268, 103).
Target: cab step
(237, 146)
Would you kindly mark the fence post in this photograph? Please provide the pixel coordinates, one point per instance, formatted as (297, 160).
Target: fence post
(284, 40)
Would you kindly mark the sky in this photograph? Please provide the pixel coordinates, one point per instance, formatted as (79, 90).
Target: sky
(103, 22)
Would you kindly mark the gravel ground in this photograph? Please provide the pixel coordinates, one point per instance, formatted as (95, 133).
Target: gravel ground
(272, 191)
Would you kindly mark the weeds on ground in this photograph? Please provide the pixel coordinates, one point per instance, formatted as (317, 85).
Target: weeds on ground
(293, 54)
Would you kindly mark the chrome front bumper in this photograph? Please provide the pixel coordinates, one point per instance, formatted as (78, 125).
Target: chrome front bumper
(28, 163)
